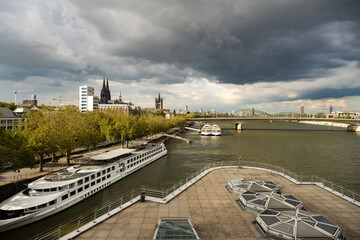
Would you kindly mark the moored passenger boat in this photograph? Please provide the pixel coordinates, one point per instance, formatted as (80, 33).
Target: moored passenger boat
(60, 190)
(216, 130)
(206, 130)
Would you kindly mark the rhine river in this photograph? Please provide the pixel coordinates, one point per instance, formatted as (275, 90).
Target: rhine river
(328, 152)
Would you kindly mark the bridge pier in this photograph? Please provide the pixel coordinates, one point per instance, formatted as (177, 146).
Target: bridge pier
(238, 126)
(353, 128)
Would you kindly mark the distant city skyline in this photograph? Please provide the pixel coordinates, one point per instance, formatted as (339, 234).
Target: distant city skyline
(269, 55)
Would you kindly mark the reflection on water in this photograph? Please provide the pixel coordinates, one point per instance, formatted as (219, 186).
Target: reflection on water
(328, 152)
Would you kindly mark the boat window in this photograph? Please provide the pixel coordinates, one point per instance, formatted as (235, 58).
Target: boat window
(121, 170)
(93, 176)
(80, 189)
(72, 193)
(98, 174)
(53, 189)
(108, 170)
(108, 176)
(113, 168)
(86, 186)
(87, 179)
(52, 202)
(60, 188)
(103, 178)
(98, 180)
(64, 197)
(104, 171)
(32, 208)
(92, 183)
(46, 190)
(72, 185)
(80, 182)
(42, 206)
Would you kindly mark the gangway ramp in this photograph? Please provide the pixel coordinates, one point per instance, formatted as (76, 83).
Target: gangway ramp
(194, 129)
(177, 137)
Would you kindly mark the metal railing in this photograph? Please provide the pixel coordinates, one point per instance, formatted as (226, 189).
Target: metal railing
(27, 176)
(306, 179)
(133, 195)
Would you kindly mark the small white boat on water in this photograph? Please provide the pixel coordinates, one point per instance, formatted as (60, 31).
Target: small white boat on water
(206, 130)
(60, 190)
(216, 130)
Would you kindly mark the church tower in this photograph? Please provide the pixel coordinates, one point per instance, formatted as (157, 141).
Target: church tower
(158, 103)
(105, 95)
(108, 97)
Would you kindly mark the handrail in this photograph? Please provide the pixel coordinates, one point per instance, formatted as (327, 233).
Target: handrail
(132, 195)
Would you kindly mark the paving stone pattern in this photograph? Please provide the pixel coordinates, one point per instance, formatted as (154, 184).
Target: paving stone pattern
(215, 214)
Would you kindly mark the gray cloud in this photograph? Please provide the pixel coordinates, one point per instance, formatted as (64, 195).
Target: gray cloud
(166, 42)
(235, 41)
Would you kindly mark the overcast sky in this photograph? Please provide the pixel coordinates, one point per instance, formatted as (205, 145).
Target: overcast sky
(272, 55)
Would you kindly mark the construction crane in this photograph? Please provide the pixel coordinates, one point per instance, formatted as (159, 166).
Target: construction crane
(18, 91)
(61, 99)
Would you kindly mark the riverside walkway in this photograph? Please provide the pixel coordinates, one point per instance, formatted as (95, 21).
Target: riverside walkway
(77, 155)
(214, 212)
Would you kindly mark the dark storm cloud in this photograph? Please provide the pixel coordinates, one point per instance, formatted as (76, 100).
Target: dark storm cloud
(168, 42)
(235, 41)
(331, 93)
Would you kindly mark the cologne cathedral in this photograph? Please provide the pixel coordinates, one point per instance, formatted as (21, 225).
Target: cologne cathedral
(105, 95)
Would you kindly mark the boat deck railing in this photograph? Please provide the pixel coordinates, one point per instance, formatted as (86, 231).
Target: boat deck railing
(102, 212)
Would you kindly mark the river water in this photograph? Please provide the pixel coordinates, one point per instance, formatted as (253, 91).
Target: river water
(328, 152)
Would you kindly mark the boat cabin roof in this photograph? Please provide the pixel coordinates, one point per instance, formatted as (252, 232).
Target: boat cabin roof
(112, 154)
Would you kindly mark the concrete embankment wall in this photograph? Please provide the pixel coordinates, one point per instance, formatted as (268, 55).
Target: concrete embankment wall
(332, 124)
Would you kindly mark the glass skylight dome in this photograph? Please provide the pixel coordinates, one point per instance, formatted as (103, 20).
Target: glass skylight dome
(175, 228)
(297, 224)
(260, 201)
(241, 185)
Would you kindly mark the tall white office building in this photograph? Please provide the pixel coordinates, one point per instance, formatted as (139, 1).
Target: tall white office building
(87, 100)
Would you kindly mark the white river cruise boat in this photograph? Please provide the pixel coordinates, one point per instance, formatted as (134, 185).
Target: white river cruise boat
(216, 130)
(60, 190)
(206, 130)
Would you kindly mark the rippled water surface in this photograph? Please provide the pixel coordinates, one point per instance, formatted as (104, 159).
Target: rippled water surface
(328, 152)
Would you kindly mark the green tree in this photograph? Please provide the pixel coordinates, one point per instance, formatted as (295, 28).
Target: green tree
(36, 129)
(67, 130)
(11, 106)
(14, 151)
(90, 134)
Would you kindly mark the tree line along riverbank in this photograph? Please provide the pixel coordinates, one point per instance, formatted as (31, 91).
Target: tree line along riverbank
(43, 133)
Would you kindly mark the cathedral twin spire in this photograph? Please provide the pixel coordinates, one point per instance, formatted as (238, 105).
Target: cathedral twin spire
(105, 95)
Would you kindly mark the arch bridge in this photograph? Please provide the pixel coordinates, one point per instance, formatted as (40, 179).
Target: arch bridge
(353, 124)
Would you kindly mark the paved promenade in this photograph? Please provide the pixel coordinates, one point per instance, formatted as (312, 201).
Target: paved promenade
(215, 214)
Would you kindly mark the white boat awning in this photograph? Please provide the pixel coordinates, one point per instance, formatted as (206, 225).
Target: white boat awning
(21, 201)
(112, 154)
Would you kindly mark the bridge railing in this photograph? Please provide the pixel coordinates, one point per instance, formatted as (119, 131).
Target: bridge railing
(122, 200)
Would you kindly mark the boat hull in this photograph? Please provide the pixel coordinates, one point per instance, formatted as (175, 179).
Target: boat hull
(205, 134)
